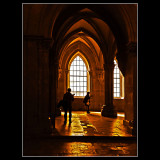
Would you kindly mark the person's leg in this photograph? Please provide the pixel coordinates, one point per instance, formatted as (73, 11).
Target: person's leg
(88, 109)
(65, 115)
(70, 114)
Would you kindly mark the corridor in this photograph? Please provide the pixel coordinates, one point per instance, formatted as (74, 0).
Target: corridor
(86, 47)
(92, 124)
(89, 135)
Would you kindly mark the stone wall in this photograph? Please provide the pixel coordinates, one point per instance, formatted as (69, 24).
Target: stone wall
(35, 85)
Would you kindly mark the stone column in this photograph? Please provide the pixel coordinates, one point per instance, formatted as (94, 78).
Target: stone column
(36, 84)
(43, 82)
(53, 84)
(66, 80)
(131, 89)
(132, 49)
(108, 108)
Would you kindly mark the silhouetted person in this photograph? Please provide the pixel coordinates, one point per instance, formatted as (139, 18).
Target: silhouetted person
(68, 98)
(87, 101)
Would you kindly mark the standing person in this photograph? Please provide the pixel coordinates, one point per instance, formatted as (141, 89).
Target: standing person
(68, 98)
(87, 101)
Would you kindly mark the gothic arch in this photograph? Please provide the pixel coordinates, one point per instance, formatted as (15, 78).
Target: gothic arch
(82, 36)
(73, 49)
(88, 33)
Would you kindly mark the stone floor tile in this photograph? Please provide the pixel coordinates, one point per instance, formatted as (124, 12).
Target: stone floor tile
(91, 124)
(83, 125)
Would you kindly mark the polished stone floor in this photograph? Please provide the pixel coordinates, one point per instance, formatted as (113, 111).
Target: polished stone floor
(92, 124)
(83, 148)
(89, 135)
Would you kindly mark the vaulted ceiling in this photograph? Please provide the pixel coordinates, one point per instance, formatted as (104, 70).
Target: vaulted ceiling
(101, 27)
(48, 19)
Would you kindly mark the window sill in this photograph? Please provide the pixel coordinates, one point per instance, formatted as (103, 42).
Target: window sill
(118, 98)
(79, 96)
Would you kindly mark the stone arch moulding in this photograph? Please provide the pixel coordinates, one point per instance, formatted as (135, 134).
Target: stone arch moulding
(80, 35)
(89, 23)
(73, 49)
(68, 59)
(109, 18)
(87, 33)
(78, 53)
(72, 57)
(73, 17)
(52, 20)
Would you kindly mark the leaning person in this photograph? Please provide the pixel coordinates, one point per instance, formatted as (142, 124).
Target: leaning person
(86, 101)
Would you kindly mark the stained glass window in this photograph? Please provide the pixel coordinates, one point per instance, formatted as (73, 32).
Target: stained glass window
(78, 77)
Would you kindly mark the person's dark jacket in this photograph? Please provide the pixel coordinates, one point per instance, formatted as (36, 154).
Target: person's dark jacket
(67, 100)
(86, 98)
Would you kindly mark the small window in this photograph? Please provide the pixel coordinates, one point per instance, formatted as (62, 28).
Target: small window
(118, 82)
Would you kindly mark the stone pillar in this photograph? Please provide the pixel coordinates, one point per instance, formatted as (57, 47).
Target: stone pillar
(36, 84)
(60, 89)
(53, 84)
(133, 56)
(43, 83)
(131, 89)
(108, 109)
(66, 80)
(90, 81)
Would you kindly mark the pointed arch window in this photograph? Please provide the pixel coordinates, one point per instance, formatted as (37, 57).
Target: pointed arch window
(78, 77)
(118, 84)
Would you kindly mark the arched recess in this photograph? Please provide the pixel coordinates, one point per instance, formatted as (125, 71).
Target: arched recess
(78, 45)
(83, 58)
(86, 32)
(85, 38)
(82, 22)
(69, 54)
(95, 69)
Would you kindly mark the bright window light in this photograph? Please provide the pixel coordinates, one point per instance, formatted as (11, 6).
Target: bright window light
(78, 77)
(116, 85)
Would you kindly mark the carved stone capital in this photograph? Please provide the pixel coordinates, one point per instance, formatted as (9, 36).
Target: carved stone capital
(59, 73)
(100, 74)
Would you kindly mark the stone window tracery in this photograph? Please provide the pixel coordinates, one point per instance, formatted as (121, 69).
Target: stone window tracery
(78, 77)
(118, 82)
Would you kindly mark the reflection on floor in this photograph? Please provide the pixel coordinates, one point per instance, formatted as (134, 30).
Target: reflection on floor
(64, 147)
(92, 124)
(89, 135)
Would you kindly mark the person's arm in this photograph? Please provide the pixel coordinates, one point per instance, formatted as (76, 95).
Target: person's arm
(72, 97)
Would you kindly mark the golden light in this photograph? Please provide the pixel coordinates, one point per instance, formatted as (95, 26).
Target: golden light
(120, 114)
